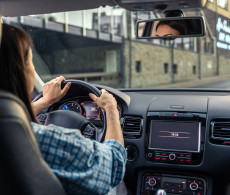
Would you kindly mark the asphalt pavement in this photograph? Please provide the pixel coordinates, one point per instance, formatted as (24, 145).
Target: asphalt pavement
(225, 84)
(219, 82)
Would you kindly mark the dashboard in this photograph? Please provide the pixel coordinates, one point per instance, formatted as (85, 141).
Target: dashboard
(85, 107)
(176, 140)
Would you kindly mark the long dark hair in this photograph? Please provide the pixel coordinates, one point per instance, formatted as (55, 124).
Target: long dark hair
(14, 51)
(180, 26)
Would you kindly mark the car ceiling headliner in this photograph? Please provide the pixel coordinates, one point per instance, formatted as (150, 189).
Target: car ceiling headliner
(30, 7)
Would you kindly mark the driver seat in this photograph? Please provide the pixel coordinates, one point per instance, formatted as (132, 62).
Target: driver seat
(22, 168)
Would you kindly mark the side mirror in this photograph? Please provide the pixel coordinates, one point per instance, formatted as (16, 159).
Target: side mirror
(171, 28)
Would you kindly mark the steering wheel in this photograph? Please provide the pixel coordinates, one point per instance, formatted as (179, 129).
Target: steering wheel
(73, 120)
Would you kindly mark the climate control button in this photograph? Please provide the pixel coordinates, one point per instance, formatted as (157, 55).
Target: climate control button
(172, 156)
(152, 182)
(194, 186)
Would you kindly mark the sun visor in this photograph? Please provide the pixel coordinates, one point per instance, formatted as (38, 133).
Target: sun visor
(150, 5)
(30, 7)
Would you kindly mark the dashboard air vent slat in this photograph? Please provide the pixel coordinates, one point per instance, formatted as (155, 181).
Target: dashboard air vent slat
(221, 130)
(132, 127)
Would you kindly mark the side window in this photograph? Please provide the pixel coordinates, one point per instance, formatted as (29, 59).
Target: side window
(138, 66)
(222, 3)
(175, 69)
(194, 69)
(166, 66)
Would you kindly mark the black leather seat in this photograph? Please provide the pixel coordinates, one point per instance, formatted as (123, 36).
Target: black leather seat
(22, 168)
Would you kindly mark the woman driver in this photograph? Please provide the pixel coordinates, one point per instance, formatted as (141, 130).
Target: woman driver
(171, 28)
(82, 165)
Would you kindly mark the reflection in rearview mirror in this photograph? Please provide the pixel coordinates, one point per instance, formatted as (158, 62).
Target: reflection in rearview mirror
(169, 28)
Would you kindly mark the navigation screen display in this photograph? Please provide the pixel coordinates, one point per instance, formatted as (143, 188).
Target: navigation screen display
(175, 135)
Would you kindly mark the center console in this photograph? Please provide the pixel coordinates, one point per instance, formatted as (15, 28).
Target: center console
(172, 184)
(174, 138)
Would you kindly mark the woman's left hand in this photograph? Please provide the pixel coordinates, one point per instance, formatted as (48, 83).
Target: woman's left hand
(52, 93)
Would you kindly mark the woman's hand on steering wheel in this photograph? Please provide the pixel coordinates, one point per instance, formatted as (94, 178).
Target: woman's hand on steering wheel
(106, 101)
(77, 121)
(52, 93)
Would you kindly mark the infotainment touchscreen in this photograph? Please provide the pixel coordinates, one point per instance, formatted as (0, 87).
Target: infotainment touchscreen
(175, 135)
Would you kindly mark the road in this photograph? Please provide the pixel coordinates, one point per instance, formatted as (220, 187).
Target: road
(224, 84)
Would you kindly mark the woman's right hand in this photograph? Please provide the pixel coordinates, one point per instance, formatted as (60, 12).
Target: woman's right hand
(106, 101)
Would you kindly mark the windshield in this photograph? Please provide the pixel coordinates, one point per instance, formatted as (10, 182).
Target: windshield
(100, 46)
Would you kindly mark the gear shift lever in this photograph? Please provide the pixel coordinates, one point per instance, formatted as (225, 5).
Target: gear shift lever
(160, 192)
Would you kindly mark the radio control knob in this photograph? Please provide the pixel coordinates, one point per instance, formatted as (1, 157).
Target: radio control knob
(152, 182)
(172, 156)
(194, 186)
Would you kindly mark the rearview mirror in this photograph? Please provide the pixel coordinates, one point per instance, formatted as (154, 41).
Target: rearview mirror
(171, 28)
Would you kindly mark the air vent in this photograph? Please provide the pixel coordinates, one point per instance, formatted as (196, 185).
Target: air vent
(132, 127)
(221, 130)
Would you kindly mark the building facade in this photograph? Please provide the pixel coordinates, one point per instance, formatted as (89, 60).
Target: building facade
(100, 46)
(190, 59)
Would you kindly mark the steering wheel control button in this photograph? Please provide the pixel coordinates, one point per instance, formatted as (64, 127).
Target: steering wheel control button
(42, 118)
(172, 156)
(194, 186)
(89, 131)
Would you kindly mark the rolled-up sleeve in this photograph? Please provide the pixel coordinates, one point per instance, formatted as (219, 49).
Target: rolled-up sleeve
(82, 165)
